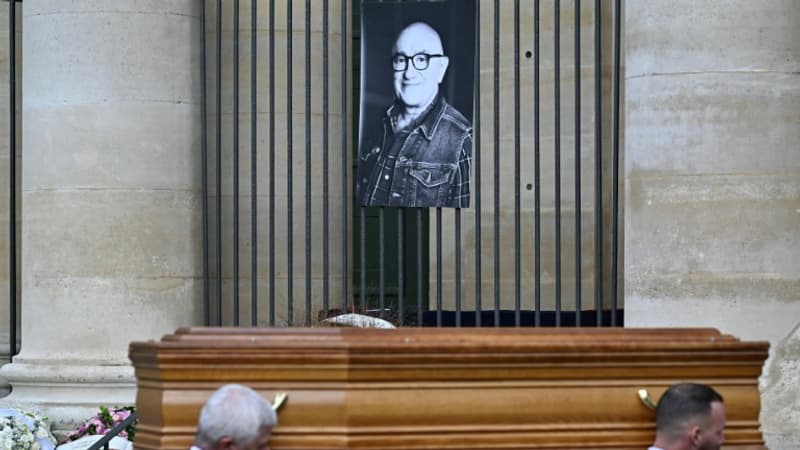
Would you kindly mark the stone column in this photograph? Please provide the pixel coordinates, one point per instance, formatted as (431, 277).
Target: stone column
(111, 242)
(712, 213)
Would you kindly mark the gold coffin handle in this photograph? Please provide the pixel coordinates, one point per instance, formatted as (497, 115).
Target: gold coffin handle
(280, 399)
(644, 396)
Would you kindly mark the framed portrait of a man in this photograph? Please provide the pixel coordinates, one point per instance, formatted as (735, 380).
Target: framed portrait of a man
(417, 89)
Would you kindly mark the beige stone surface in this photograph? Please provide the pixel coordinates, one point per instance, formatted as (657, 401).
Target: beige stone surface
(111, 188)
(113, 145)
(736, 303)
(737, 36)
(145, 67)
(712, 177)
(711, 123)
(708, 219)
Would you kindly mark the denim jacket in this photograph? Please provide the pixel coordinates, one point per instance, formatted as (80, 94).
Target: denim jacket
(431, 167)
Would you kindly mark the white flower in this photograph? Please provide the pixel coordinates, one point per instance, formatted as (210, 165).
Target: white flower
(24, 431)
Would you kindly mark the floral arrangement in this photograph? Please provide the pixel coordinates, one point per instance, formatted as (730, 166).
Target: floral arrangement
(105, 421)
(23, 430)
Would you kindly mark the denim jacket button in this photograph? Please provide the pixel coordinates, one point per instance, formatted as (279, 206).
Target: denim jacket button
(376, 150)
(403, 159)
(386, 177)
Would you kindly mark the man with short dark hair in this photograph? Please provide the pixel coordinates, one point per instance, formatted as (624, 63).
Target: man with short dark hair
(235, 417)
(689, 416)
(419, 154)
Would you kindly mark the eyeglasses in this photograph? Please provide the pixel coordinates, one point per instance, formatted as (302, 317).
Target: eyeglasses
(420, 61)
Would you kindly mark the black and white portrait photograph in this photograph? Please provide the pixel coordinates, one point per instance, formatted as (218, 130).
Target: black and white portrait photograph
(417, 89)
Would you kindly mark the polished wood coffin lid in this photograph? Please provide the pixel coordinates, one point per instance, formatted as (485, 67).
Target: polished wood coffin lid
(425, 388)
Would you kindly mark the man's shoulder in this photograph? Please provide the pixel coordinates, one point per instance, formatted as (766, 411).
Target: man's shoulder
(454, 117)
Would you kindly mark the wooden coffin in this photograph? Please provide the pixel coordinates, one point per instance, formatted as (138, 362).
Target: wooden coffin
(423, 388)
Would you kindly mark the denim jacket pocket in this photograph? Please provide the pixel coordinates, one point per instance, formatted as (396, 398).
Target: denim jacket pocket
(432, 182)
(432, 175)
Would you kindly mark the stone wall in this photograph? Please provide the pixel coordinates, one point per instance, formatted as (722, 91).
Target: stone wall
(712, 199)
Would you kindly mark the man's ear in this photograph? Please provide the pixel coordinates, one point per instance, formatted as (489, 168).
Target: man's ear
(443, 63)
(695, 435)
(225, 443)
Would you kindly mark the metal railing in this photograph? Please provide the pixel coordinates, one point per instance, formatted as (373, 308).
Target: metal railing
(410, 299)
(105, 441)
(12, 182)
(387, 266)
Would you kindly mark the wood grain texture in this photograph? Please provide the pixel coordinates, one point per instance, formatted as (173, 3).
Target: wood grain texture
(421, 388)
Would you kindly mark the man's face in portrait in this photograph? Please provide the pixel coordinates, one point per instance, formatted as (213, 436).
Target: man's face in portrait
(418, 46)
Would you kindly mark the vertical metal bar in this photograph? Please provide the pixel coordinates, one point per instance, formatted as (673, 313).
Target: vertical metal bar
(477, 158)
(204, 164)
(517, 178)
(496, 163)
(557, 151)
(345, 159)
(381, 260)
(308, 163)
(578, 208)
(362, 292)
(400, 262)
(458, 265)
(218, 212)
(236, 163)
(272, 163)
(598, 169)
(615, 162)
(419, 267)
(325, 182)
(289, 170)
(253, 166)
(12, 177)
(537, 207)
(438, 267)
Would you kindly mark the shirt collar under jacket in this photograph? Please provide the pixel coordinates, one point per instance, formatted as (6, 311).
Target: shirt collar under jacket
(428, 121)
